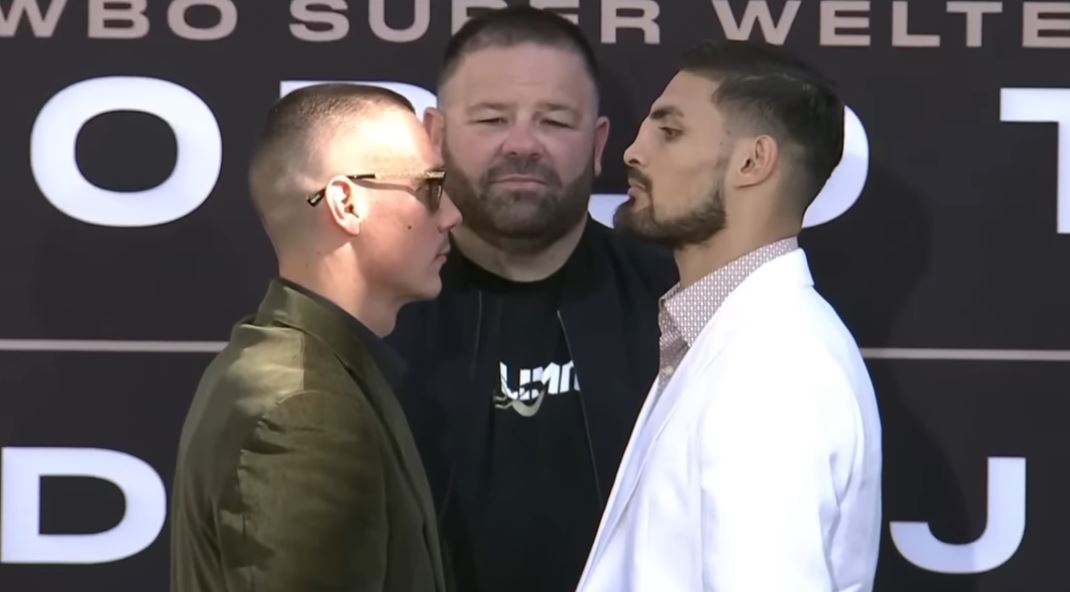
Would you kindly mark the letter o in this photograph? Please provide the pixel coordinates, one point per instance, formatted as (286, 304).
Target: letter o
(847, 180)
(197, 163)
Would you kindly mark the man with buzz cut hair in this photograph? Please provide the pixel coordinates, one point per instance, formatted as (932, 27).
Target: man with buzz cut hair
(529, 370)
(296, 470)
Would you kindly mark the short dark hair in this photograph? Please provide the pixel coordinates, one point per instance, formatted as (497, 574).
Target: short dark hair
(302, 111)
(514, 25)
(293, 132)
(782, 95)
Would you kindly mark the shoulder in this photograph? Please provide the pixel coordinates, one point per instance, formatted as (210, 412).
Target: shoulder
(795, 360)
(771, 387)
(270, 371)
(317, 419)
(794, 329)
(273, 363)
(243, 411)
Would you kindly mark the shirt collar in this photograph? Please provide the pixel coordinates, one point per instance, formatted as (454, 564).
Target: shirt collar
(691, 308)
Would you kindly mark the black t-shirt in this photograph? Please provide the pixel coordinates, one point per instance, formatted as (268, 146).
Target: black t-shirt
(540, 507)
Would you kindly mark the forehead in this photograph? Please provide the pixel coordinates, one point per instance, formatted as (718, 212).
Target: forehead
(689, 98)
(526, 72)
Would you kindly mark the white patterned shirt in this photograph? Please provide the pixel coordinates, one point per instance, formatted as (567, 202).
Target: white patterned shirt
(684, 312)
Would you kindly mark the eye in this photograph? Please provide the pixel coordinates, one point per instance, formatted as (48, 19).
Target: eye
(491, 121)
(556, 123)
(670, 133)
(429, 192)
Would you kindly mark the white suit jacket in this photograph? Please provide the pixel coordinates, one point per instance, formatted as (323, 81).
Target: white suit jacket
(758, 468)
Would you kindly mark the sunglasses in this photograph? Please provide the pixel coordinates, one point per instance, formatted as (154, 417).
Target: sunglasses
(428, 187)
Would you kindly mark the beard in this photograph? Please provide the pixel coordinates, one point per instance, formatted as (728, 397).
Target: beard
(519, 220)
(691, 228)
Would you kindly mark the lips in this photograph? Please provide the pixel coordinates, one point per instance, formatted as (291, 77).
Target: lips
(637, 180)
(518, 179)
(635, 186)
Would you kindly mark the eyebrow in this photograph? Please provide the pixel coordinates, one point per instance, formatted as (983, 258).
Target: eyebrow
(421, 170)
(541, 106)
(551, 106)
(487, 105)
(666, 112)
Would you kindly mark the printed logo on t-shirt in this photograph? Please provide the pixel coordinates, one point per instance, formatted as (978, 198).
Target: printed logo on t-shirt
(533, 384)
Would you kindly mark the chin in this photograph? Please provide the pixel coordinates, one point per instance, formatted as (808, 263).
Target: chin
(631, 216)
(431, 290)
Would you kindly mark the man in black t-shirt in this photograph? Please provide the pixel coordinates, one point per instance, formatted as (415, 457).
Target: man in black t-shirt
(540, 507)
(527, 373)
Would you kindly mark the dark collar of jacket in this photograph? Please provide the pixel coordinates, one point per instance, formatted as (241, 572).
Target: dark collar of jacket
(609, 314)
(293, 305)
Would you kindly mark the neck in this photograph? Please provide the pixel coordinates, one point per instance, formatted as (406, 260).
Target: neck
(336, 281)
(696, 261)
(514, 262)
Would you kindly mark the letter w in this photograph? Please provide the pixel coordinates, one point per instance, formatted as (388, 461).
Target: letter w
(42, 26)
(775, 33)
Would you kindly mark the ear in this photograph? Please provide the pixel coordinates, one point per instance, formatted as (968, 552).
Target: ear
(601, 136)
(342, 201)
(757, 162)
(435, 124)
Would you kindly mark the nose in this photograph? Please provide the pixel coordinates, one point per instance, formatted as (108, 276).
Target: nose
(447, 216)
(520, 141)
(632, 155)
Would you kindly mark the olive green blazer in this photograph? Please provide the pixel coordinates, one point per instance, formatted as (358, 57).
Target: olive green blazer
(296, 469)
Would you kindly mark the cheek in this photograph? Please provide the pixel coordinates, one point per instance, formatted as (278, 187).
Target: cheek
(570, 156)
(420, 240)
(470, 150)
(401, 234)
(680, 182)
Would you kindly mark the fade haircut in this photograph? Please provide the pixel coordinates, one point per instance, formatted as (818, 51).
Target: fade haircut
(512, 26)
(298, 129)
(775, 93)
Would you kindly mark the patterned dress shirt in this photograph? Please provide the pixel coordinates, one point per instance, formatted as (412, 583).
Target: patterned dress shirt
(684, 312)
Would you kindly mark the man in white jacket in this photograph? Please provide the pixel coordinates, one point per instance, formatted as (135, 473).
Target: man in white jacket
(755, 464)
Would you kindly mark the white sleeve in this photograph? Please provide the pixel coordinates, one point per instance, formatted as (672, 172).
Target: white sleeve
(770, 439)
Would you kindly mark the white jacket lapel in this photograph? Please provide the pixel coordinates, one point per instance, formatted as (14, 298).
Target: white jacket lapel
(788, 269)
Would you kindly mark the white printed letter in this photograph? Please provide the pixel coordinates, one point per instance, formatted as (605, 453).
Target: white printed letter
(646, 22)
(774, 33)
(999, 541)
(228, 19)
(901, 35)
(832, 22)
(420, 19)
(55, 132)
(1046, 105)
(1034, 23)
(41, 25)
(337, 23)
(127, 22)
(21, 540)
(975, 14)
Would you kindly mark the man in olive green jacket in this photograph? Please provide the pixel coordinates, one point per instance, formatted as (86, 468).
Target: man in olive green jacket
(296, 469)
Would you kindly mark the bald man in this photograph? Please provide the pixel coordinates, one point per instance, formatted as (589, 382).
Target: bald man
(296, 469)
